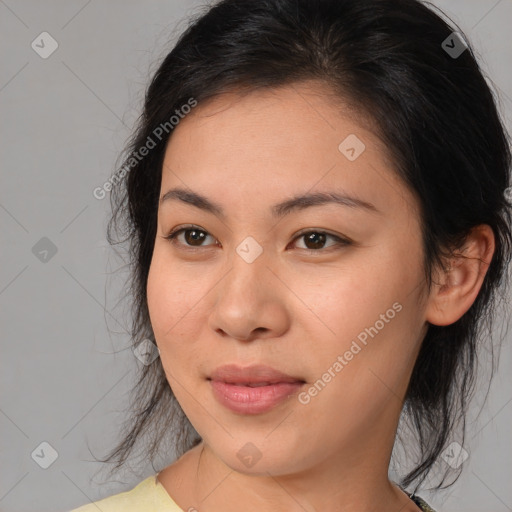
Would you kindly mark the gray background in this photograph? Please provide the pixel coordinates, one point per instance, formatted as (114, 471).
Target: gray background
(66, 366)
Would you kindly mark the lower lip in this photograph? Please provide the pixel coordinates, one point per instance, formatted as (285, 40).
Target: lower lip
(248, 400)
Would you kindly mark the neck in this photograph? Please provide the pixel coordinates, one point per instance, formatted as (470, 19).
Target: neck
(201, 481)
(362, 487)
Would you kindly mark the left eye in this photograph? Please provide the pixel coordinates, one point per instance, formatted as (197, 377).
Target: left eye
(314, 240)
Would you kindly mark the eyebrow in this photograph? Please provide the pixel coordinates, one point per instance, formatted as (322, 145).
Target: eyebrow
(278, 210)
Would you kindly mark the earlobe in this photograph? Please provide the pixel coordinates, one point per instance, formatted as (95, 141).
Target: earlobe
(459, 285)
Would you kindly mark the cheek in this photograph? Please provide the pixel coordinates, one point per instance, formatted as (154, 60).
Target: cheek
(368, 313)
(174, 305)
(361, 373)
(170, 296)
(345, 301)
(174, 319)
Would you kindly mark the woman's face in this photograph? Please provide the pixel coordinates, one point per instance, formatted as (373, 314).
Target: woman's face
(326, 292)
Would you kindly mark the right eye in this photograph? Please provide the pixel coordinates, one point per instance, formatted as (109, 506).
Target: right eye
(193, 236)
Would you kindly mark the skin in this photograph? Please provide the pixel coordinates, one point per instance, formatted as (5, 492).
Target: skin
(291, 309)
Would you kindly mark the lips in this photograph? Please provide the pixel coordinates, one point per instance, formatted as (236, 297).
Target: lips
(252, 376)
(252, 390)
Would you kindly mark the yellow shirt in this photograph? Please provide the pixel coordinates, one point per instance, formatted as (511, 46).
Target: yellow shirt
(147, 496)
(150, 496)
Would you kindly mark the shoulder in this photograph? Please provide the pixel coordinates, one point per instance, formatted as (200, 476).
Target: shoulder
(149, 496)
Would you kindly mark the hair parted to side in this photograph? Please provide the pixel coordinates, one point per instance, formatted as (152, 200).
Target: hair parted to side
(435, 113)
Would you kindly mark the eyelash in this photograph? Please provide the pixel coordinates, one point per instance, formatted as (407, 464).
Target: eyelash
(340, 242)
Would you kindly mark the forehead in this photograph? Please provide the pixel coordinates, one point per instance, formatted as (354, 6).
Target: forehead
(279, 116)
(275, 142)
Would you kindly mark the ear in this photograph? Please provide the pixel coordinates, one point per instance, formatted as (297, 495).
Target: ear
(458, 287)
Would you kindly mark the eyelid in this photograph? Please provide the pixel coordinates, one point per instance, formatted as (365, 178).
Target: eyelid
(340, 240)
(172, 236)
(324, 232)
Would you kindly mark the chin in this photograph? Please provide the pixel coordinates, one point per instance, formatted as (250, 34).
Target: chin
(261, 456)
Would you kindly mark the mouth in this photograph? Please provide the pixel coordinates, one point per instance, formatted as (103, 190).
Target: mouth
(254, 389)
(253, 376)
(252, 384)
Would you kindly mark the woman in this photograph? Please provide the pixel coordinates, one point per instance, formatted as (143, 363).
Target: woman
(318, 214)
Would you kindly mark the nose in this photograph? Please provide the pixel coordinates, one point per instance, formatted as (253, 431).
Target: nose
(250, 302)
